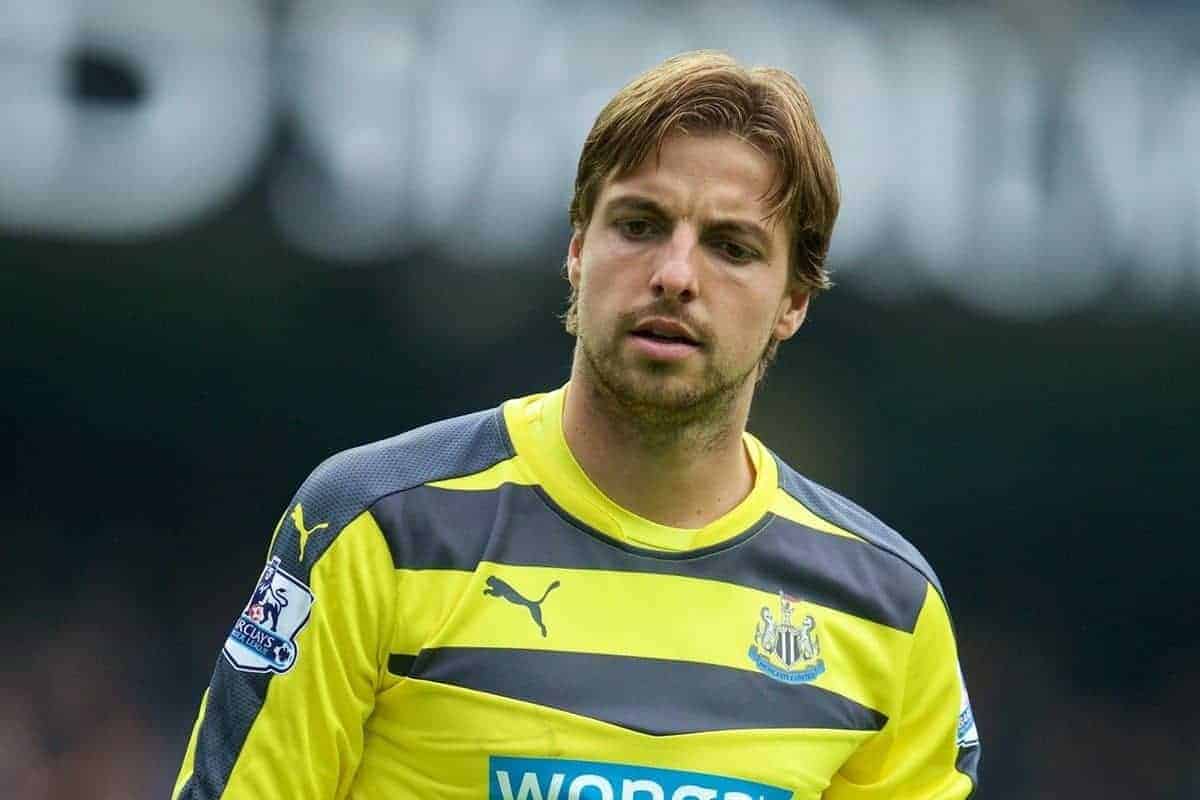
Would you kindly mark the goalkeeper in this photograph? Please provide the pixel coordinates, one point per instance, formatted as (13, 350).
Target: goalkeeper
(610, 589)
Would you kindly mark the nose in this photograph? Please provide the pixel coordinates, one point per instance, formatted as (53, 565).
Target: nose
(676, 274)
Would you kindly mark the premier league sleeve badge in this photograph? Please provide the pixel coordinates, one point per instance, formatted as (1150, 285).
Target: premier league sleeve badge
(264, 637)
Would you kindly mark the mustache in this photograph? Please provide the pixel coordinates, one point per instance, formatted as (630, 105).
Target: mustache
(667, 310)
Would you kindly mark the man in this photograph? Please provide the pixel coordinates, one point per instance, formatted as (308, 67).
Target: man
(610, 590)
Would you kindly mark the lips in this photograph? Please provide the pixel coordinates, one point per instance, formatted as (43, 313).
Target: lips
(665, 330)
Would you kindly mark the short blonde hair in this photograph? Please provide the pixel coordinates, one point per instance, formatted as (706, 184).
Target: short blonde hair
(708, 92)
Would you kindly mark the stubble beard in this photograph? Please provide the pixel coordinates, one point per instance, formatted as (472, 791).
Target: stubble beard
(662, 406)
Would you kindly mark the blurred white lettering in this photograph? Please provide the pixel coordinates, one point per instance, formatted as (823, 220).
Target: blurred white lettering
(970, 159)
(107, 171)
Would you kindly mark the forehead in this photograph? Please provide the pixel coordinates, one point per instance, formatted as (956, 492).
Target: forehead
(703, 175)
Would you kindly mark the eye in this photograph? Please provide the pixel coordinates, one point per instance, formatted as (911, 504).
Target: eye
(637, 229)
(735, 252)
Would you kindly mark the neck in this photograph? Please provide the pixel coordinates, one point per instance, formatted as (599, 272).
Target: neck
(683, 469)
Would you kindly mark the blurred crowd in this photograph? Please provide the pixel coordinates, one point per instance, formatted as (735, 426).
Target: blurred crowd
(88, 712)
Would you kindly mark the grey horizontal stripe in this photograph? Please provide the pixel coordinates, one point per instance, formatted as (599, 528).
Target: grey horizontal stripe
(346, 484)
(400, 664)
(833, 571)
(832, 507)
(836, 572)
(648, 695)
(430, 528)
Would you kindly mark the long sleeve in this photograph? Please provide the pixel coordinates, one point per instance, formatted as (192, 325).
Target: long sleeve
(296, 680)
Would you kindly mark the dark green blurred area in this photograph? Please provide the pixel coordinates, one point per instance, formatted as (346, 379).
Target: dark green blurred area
(165, 399)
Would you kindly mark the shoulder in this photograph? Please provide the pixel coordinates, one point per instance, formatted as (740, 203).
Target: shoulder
(348, 483)
(880, 573)
(352, 480)
(853, 518)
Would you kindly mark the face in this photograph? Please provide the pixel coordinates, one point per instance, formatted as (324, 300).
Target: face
(682, 280)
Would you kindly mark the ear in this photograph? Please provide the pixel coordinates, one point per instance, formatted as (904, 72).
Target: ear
(793, 308)
(574, 265)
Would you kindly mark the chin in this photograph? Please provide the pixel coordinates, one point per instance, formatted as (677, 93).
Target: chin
(650, 390)
(661, 393)
(658, 398)
(677, 392)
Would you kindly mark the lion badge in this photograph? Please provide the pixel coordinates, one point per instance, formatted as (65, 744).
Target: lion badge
(264, 637)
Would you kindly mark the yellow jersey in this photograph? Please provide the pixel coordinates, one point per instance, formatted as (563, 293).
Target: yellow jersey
(458, 612)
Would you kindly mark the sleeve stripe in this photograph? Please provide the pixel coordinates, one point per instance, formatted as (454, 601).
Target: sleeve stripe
(219, 741)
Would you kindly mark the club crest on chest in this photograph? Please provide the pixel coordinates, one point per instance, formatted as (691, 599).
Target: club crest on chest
(787, 647)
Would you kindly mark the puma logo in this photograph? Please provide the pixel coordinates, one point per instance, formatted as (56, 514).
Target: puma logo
(298, 521)
(498, 588)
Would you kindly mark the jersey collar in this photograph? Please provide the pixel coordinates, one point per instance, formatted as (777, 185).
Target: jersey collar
(535, 425)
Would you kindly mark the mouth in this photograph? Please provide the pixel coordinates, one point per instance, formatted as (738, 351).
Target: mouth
(665, 340)
(665, 330)
(658, 337)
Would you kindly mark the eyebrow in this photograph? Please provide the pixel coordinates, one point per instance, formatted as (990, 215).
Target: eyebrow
(637, 202)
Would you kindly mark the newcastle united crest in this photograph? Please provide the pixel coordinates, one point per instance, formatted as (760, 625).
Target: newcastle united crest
(785, 650)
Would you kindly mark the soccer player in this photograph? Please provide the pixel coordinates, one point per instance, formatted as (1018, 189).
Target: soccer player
(610, 591)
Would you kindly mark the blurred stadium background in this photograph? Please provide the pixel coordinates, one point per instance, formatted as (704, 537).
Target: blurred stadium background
(236, 237)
